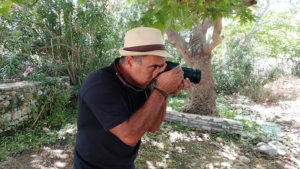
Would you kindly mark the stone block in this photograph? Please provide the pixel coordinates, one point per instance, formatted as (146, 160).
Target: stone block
(14, 103)
(17, 115)
(13, 93)
(4, 104)
(2, 111)
(13, 123)
(21, 97)
(6, 117)
(25, 109)
(18, 98)
(28, 96)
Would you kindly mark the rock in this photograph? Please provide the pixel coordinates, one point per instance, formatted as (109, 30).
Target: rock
(6, 117)
(260, 144)
(21, 97)
(217, 164)
(225, 165)
(261, 138)
(209, 166)
(244, 159)
(28, 96)
(217, 157)
(40, 93)
(219, 139)
(206, 137)
(193, 164)
(273, 148)
(13, 93)
(280, 148)
(267, 149)
(4, 103)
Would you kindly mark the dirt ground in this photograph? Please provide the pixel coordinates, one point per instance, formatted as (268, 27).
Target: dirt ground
(181, 148)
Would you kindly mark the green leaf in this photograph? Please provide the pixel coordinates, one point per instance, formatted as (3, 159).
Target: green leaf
(5, 8)
(81, 2)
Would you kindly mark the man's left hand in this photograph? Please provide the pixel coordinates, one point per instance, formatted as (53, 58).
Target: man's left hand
(186, 83)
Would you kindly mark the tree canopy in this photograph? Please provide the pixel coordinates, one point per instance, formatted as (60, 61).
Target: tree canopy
(184, 14)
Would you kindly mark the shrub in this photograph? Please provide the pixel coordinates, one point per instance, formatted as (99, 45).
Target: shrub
(234, 70)
(296, 69)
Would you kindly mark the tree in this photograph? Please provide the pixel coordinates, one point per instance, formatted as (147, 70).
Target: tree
(195, 17)
(6, 6)
(72, 38)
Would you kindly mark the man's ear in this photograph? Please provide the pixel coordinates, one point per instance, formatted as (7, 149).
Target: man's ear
(130, 61)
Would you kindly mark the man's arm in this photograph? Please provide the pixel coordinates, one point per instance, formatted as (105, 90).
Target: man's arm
(155, 126)
(131, 131)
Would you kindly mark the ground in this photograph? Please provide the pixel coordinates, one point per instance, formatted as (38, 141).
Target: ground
(176, 146)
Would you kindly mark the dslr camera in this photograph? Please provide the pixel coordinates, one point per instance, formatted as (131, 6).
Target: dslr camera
(193, 74)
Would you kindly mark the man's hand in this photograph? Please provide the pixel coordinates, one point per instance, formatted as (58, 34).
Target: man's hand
(171, 81)
(186, 83)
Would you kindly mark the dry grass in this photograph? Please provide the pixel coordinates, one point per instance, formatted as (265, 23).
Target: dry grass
(285, 88)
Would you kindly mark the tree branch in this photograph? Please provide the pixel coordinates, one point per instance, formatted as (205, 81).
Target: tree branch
(198, 36)
(216, 36)
(206, 25)
(179, 43)
(32, 5)
(249, 2)
(260, 15)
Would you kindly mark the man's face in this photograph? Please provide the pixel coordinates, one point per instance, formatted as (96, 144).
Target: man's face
(143, 72)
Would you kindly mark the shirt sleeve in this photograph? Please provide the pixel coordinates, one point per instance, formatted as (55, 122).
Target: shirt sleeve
(108, 103)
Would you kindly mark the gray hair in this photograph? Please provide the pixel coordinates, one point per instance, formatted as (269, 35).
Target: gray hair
(138, 59)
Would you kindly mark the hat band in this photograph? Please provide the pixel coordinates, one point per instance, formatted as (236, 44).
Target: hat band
(145, 48)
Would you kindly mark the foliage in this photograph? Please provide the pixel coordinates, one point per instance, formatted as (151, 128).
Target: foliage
(225, 109)
(178, 101)
(11, 66)
(245, 46)
(77, 38)
(182, 15)
(6, 6)
(27, 137)
(234, 71)
(52, 102)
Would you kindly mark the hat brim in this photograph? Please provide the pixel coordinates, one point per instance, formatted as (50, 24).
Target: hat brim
(161, 53)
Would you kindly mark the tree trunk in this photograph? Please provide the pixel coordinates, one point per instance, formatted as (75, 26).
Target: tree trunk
(202, 97)
(197, 54)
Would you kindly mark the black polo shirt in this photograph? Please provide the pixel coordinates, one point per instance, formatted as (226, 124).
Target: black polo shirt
(105, 101)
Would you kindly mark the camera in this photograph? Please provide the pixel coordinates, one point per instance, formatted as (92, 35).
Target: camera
(193, 74)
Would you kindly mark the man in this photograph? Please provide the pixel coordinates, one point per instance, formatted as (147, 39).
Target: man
(117, 106)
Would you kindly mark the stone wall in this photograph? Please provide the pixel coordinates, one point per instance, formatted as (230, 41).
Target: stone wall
(17, 100)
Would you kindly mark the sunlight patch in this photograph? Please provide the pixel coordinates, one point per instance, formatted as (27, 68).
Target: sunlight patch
(60, 164)
(150, 165)
(159, 145)
(177, 136)
(229, 153)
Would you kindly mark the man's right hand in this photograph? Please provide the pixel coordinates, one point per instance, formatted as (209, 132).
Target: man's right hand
(170, 80)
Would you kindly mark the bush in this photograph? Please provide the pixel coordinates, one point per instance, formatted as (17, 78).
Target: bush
(73, 38)
(234, 70)
(11, 67)
(53, 102)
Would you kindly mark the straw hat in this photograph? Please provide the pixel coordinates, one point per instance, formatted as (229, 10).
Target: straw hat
(144, 41)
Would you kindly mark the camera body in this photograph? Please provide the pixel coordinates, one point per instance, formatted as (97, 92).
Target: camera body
(193, 74)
